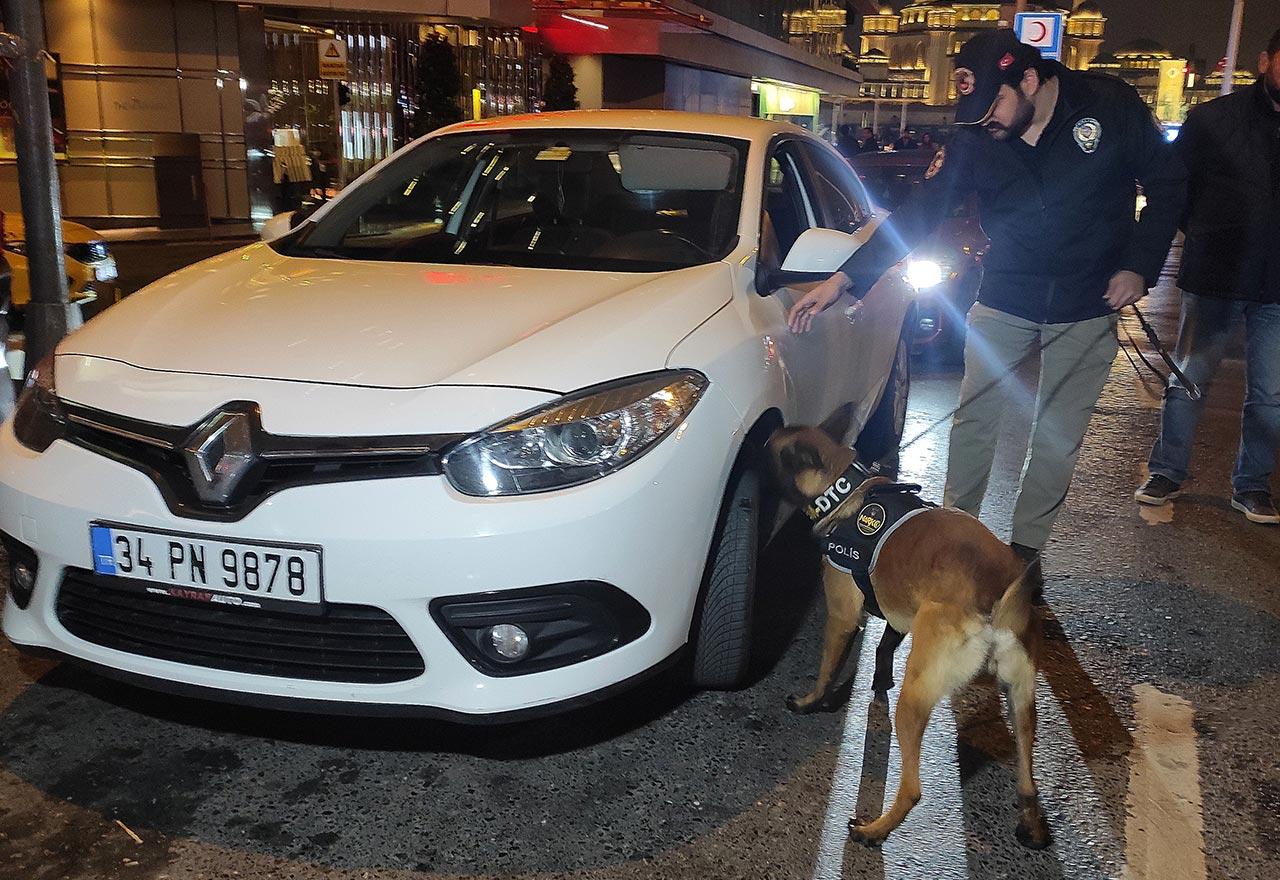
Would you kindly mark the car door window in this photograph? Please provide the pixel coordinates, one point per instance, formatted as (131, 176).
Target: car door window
(841, 197)
(788, 208)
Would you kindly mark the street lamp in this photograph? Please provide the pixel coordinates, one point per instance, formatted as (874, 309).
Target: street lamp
(1233, 48)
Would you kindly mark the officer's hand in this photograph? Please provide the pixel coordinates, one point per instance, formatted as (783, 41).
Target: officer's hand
(1125, 289)
(816, 300)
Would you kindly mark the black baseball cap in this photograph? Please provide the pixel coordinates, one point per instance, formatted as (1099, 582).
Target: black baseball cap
(988, 61)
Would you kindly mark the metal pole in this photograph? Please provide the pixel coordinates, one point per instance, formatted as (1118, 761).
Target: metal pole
(337, 132)
(1233, 49)
(48, 315)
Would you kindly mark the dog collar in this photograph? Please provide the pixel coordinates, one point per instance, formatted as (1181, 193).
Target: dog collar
(831, 498)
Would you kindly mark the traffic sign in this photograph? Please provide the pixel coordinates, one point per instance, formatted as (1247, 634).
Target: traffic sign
(333, 59)
(1043, 30)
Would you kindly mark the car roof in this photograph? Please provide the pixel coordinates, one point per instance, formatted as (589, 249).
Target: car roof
(742, 127)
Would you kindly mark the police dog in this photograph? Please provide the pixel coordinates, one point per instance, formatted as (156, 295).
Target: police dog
(943, 577)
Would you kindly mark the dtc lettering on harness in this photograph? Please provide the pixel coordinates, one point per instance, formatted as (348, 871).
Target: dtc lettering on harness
(830, 499)
(854, 544)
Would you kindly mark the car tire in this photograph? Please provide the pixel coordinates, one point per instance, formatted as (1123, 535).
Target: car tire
(882, 435)
(722, 645)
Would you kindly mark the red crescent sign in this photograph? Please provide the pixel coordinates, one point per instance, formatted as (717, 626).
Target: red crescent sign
(1044, 31)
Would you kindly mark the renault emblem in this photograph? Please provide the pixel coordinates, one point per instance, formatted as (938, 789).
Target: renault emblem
(219, 453)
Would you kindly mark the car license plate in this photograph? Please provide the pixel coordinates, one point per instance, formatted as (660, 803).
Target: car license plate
(208, 569)
(106, 270)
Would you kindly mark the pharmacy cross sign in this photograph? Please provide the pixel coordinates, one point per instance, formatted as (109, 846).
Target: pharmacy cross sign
(1042, 30)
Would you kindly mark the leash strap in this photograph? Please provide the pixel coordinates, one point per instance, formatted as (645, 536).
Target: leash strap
(1193, 390)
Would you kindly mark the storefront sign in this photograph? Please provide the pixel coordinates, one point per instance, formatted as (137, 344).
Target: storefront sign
(333, 59)
(57, 110)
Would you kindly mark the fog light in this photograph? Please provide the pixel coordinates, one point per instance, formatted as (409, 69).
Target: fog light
(509, 641)
(23, 577)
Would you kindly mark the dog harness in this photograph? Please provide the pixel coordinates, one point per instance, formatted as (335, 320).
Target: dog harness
(853, 546)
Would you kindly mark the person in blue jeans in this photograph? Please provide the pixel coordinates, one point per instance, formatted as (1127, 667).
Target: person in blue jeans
(1230, 270)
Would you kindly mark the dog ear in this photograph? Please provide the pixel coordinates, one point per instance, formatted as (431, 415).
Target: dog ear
(837, 425)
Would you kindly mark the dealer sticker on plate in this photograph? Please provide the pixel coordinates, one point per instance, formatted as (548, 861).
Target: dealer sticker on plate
(208, 569)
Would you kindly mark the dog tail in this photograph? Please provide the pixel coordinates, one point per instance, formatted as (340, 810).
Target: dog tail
(1013, 612)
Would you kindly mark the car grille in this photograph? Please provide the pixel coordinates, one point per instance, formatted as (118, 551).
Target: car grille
(283, 462)
(88, 252)
(345, 643)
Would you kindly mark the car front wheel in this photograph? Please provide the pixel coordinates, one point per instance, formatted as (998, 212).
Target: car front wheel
(722, 639)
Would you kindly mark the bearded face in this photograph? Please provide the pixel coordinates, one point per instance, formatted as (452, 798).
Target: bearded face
(1010, 116)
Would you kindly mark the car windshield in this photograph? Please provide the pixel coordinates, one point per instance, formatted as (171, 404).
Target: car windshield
(891, 185)
(548, 198)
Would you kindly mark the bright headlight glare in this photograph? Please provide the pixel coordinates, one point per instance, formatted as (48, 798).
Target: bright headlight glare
(577, 438)
(923, 274)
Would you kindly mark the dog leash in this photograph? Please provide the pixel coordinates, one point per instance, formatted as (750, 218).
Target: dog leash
(1192, 389)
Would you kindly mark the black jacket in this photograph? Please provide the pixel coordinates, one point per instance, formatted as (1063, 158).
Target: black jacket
(1060, 215)
(1231, 147)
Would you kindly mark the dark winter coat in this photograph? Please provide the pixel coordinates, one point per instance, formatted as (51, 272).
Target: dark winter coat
(1231, 147)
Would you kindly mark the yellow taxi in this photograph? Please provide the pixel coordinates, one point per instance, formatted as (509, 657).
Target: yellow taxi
(91, 269)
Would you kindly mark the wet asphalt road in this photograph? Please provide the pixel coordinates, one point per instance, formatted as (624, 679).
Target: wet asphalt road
(1157, 757)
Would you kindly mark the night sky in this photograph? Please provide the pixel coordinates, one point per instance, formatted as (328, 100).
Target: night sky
(1176, 24)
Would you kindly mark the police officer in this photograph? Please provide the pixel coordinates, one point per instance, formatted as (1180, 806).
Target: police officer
(1053, 155)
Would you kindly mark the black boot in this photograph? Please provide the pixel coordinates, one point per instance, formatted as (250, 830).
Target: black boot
(1035, 574)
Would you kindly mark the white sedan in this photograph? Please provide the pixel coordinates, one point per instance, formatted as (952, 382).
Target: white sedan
(482, 436)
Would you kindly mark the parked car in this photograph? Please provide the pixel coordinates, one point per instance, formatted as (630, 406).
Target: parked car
(91, 269)
(947, 268)
(6, 387)
(482, 436)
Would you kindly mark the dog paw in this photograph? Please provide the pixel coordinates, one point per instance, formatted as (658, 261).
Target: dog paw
(799, 706)
(1034, 836)
(858, 834)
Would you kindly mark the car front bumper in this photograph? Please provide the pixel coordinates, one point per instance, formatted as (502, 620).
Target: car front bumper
(397, 545)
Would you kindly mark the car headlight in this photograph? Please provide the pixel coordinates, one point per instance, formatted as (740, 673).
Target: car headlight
(923, 274)
(39, 419)
(577, 438)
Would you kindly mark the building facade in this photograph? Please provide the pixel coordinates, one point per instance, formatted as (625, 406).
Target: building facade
(234, 92)
(1171, 85)
(907, 56)
(780, 59)
(220, 86)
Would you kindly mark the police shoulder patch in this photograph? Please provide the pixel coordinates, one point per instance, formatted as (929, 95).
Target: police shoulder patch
(936, 165)
(1087, 132)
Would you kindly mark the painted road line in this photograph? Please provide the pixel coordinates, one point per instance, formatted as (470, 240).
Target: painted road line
(1164, 825)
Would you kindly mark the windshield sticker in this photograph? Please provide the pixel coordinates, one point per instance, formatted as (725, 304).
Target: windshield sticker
(554, 154)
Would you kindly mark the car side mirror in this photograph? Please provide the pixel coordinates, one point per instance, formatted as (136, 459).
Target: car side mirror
(280, 224)
(815, 256)
(819, 252)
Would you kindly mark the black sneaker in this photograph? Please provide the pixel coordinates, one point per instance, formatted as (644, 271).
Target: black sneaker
(1256, 506)
(1035, 573)
(1157, 490)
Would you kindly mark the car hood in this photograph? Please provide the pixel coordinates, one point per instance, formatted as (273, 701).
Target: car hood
(15, 229)
(254, 313)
